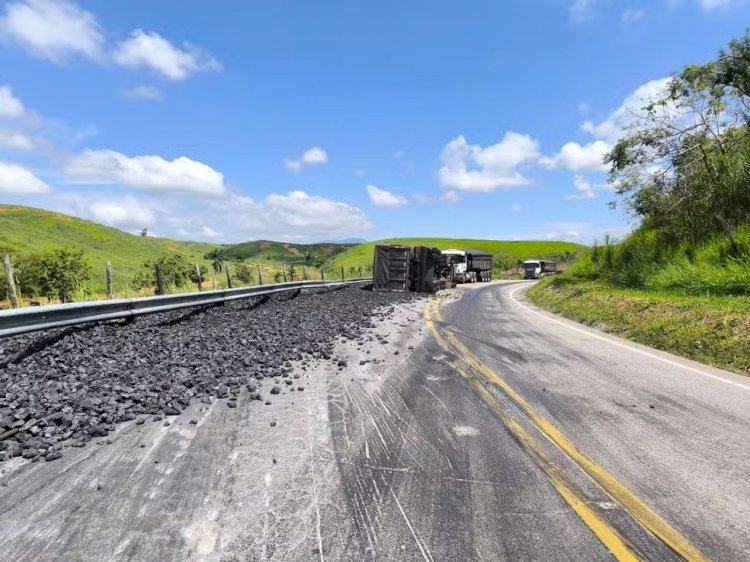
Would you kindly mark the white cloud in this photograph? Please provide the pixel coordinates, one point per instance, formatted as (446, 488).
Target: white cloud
(612, 127)
(631, 16)
(53, 29)
(384, 198)
(123, 212)
(311, 157)
(10, 106)
(181, 175)
(295, 216)
(13, 139)
(585, 189)
(576, 157)
(583, 10)
(143, 92)
(474, 168)
(17, 180)
(150, 50)
(209, 232)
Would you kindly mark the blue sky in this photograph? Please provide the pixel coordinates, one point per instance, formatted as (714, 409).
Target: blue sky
(304, 121)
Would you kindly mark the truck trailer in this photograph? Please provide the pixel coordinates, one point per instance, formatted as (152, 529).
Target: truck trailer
(536, 269)
(470, 266)
(403, 268)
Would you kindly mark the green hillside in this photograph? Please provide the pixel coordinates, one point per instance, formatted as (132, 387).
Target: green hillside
(362, 255)
(279, 252)
(24, 230)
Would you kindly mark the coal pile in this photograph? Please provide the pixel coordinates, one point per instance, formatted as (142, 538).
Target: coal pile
(65, 387)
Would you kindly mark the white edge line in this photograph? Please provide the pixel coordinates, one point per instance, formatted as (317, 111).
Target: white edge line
(631, 347)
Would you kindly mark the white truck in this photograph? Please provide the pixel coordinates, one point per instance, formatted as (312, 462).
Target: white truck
(469, 266)
(536, 269)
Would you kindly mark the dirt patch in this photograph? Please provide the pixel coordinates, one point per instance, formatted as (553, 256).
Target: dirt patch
(291, 249)
(264, 245)
(327, 250)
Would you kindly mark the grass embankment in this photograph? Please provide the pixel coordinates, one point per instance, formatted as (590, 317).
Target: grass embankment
(362, 254)
(712, 330)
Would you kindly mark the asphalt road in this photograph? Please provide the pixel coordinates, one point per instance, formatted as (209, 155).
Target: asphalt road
(504, 434)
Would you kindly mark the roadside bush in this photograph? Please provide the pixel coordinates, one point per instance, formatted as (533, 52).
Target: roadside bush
(244, 274)
(62, 274)
(175, 271)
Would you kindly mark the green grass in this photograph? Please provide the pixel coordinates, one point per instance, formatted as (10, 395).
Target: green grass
(362, 254)
(25, 230)
(714, 330)
(31, 231)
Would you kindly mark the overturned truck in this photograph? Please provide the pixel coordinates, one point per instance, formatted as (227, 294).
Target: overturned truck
(403, 268)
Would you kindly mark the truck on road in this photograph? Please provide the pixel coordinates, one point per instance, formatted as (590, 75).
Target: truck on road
(536, 269)
(470, 266)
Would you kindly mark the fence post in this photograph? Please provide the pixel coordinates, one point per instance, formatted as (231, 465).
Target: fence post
(304, 273)
(342, 272)
(229, 276)
(11, 282)
(159, 280)
(260, 276)
(360, 272)
(283, 267)
(109, 280)
(199, 279)
(322, 274)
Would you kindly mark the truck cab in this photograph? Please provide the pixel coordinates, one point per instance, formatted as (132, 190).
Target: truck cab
(458, 263)
(532, 269)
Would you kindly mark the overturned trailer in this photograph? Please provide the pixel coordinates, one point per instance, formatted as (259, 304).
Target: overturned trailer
(403, 268)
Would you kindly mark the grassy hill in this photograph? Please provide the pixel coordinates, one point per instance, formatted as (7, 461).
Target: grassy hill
(362, 255)
(280, 252)
(29, 231)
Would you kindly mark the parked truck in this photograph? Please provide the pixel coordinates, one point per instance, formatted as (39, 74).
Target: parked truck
(470, 266)
(536, 269)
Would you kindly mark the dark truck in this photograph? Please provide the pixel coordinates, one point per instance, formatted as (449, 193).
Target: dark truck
(403, 268)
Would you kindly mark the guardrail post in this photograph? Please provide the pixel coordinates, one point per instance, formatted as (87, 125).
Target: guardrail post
(283, 267)
(159, 280)
(11, 282)
(199, 279)
(260, 276)
(229, 276)
(109, 280)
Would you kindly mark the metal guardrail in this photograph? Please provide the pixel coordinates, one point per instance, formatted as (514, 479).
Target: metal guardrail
(33, 319)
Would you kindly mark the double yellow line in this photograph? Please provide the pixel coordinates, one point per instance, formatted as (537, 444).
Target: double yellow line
(468, 365)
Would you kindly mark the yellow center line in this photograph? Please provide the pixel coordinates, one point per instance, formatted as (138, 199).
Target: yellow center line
(608, 535)
(649, 519)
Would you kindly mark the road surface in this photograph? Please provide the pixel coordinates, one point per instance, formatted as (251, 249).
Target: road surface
(505, 433)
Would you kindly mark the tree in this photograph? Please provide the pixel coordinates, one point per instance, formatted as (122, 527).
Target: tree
(683, 165)
(217, 257)
(309, 257)
(244, 274)
(278, 277)
(175, 271)
(61, 273)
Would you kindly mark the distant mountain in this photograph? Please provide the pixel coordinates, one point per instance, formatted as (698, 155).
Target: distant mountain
(283, 252)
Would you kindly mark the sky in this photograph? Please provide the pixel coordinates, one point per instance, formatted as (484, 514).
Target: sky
(308, 121)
